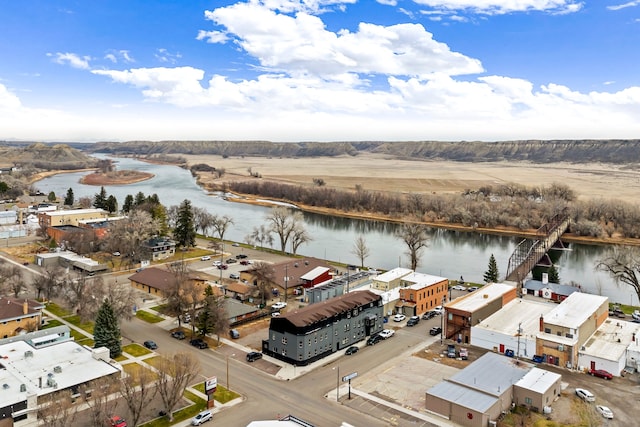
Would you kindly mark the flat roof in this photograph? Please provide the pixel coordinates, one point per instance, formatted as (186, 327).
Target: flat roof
(611, 340)
(422, 280)
(492, 373)
(575, 310)
(77, 212)
(521, 311)
(480, 298)
(394, 274)
(539, 380)
(314, 273)
(463, 396)
(24, 364)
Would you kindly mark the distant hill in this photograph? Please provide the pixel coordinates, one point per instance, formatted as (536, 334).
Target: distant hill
(537, 151)
(46, 156)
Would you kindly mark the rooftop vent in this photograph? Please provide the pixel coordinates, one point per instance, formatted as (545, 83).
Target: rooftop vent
(57, 369)
(23, 387)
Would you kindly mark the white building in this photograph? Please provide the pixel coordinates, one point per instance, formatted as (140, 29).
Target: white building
(611, 347)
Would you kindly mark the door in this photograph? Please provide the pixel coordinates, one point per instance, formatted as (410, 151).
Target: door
(501, 348)
(593, 365)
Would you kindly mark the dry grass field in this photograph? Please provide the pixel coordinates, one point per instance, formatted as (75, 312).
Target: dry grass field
(377, 172)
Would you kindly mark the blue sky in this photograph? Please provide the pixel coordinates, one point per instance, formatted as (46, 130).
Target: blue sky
(319, 70)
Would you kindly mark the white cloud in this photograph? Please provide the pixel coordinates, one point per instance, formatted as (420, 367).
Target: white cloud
(212, 36)
(624, 5)
(302, 45)
(72, 59)
(164, 56)
(119, 56)
(388, 2)
(498, 7)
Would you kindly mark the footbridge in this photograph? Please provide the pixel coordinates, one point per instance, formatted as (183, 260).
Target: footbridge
(530, 253)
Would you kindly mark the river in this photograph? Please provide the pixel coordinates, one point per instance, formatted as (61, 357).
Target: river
(450, 253)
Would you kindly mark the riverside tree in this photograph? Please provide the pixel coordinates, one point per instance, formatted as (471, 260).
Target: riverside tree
(184, 231)
(360, 249)
(285, 223)
(491, 275)
(623, 265)
(69, 199)
(554, 275)
(416, 238)
(106, 331)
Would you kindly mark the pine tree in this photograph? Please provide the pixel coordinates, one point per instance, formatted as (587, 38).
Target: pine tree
(69, 199)
(100, 199)
(52, 197)
(185, 231)
(554, 276)
(128, 203)
(106, 331)
(491, 275)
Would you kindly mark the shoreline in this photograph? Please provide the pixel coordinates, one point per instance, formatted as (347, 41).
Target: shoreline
(100, 179)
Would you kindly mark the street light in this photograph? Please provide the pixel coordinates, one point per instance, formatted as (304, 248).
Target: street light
(338, 384)
(233, 355)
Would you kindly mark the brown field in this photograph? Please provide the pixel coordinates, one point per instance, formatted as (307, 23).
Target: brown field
(377, 172)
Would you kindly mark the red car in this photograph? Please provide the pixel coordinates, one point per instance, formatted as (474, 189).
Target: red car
(601, 373)
(117, 421)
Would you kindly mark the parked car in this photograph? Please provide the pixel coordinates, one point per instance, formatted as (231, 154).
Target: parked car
(604, 411)
(472, 288)
(635, 315)
(509, 353)
(117, 421)
(236, 244)
(429, 314)
(451, 351)
(242, 256)
(413, 320)
(202, 417)
(199, 343)
(235, 276)
(386, 333)
(439, 309)
(601, 373)
(399, 317)
(463, 353)
(231, 260)
(374, 339)
(205, 258)
(537, 358)
(233, 333)
(179, 335)
(458, 288)
(279, 306)
(253, 356)
(217, 263)
(222, 266)
(351, 350)
(245, 262)
(436, 330)
(585, 395)
(151, 345)
(116, 253)
(275, 314)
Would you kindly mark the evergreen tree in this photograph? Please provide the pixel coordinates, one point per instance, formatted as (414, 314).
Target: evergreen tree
(185, 231)
(139, 199)
(112, 204)
(554, 276)
(207, 315)
(100, 199)
(69, 199)
(491, 275)
(52, 197)
(106, 331)
(128, 203)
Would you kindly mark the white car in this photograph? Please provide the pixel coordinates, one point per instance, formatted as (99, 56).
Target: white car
(438, 309)
(458, 288)
(205, 258)
(585, 395)
(217, 263)
(399, 317)
(202, 417)
(279, 306)
(604, 411)
(387, 333)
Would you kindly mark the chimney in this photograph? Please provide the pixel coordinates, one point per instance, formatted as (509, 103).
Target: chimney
(25, 307)
(541, 324)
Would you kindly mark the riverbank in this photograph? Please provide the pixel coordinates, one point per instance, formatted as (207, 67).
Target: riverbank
(123, 177)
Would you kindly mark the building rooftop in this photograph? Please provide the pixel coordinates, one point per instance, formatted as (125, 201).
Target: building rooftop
(394, 274)
(14, 308)
(314, 273)
(77, 212)
(538, 380)
(480, 298)
(521, 311)
(575, 310)
(418, 281)
(157, 278)
(611, 340)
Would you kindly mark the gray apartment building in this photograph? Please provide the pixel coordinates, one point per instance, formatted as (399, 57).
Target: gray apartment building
(310, 333)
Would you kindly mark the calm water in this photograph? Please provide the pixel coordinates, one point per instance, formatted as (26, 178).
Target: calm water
(450, 253)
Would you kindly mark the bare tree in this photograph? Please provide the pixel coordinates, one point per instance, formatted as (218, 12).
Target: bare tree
(260, 235)
(82, 295)
(360, 249)
(127, 235)
(175, 373)
(57, 409)
(11, 279)
(264, 275)
(138, 391)
(203, 220)
(176, 298)
(85, 202)
(299, 234)
(416, 238)
(283, 222)
(123, 298)
(623, 265)
(49, 282)
(99, 400)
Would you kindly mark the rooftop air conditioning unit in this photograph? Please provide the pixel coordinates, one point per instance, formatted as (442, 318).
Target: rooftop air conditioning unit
(57, 369)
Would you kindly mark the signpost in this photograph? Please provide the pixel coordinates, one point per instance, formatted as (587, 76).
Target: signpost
(348, 378)
(210, 385)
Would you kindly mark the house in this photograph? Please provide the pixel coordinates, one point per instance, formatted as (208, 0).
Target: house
(611, 347)
(515, 327)
(568, 327)
(160, 248)
(469, 310)
(238, 291)
(42, 363)
(550, 291)
(478, 394)
(238, 312)
(69, 260)
(308, 334)
(19, 316)
(420, 293)
(154, 281)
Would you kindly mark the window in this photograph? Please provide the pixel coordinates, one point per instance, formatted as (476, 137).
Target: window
(284, 340)
(569, 335)
(300, 344)
(547, 330)
(528, 400)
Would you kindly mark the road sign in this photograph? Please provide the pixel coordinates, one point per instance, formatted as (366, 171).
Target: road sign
(210, 384)
(348, 377)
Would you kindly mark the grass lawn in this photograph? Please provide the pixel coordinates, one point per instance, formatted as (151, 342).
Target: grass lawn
(221, 395)
(85, 326)
(135, 350)
(148, 317)
(57, 310)
(182, 414)
(52, 323)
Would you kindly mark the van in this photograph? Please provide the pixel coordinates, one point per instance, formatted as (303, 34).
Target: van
(234, 334)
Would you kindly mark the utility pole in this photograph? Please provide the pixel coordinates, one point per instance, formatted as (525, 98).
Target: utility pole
(286, 281)
(519, 333)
